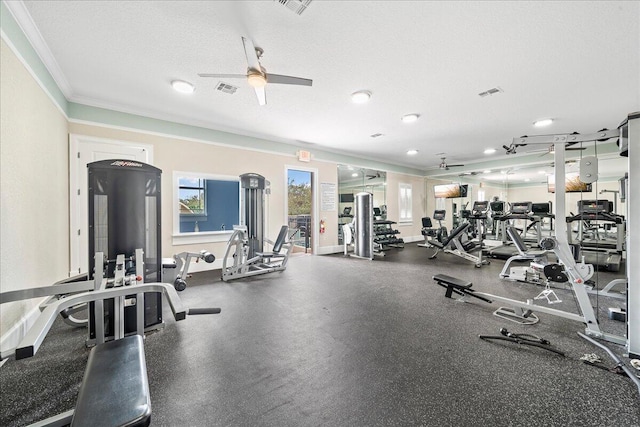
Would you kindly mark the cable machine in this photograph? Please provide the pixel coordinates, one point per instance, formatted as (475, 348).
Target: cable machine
(245, 255)
(629, 136)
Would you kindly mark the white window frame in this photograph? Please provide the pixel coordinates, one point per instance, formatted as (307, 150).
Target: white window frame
(405, 203)
(200, 236)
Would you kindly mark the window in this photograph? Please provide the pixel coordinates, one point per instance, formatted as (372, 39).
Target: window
(205, 204)
(192, 196)
(406, 203)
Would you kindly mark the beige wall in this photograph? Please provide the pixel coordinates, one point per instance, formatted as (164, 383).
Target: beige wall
(172, 154)
(490, 191)
(34, 208)
(409, 232)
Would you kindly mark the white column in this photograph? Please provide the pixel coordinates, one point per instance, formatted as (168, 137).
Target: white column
(633, 245)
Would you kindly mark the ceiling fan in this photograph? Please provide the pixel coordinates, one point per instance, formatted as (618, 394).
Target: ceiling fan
(257, 75)
(377, 175)
(445, 166)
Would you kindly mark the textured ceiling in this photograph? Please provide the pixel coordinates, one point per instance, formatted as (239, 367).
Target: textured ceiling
(577, 62)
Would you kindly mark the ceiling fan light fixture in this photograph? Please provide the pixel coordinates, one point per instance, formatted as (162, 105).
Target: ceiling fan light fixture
(182, 86)
(542, 123)
(412, 152)
(256, 79)
(410, 118)
(361, 97)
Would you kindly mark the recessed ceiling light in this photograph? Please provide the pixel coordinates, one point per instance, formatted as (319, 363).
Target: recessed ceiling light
(542, 123)
(527, 180)
(410, 118)
(489, 151)
(487, 171)
(503, 172)
(361, 97)
(354, 174)
(412, 152)
(182, 86)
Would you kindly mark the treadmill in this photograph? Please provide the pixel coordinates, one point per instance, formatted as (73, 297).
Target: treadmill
(517, 210)
(604, 253)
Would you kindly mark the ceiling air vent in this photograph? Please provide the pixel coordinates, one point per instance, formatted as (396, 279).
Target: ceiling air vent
(226, 88)
(297, 6)
(376, 135)
(490, 92)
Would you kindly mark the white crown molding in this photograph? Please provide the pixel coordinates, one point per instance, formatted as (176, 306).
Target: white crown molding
(29, 28)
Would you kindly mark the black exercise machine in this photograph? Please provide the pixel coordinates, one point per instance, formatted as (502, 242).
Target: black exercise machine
(429, 232)
(124, 249)
(457, 244)
(593, 214)
(517, 211)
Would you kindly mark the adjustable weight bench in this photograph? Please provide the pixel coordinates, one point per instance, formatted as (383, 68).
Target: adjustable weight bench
(454, 235)
(115, 387)
(458, 286)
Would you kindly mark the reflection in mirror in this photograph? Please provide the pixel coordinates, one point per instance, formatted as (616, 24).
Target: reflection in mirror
(353, 180)
(206, 203)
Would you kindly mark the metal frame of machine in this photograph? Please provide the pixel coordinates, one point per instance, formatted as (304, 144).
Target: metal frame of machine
(629, 136)
(245, 265)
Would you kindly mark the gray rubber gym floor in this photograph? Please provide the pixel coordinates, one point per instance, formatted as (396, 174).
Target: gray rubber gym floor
(336, 341)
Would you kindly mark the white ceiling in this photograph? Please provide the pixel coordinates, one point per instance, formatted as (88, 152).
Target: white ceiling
(577, 62)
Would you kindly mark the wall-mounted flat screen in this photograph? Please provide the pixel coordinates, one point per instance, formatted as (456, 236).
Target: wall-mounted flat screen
(450, 191)
(572, 184)
(346, 198)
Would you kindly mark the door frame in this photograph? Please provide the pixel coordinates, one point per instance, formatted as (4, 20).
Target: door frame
(314, 202)
(76, 142)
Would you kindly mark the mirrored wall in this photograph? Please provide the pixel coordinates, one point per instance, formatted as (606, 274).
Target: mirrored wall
(353, 180)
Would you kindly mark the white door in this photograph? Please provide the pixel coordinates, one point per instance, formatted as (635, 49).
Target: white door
(84, 150)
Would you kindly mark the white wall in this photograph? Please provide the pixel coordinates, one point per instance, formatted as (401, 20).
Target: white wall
(34, 206)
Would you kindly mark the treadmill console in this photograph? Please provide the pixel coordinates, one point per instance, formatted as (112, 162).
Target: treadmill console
(541, 208)
(595, 206)
(439, 215)
(521, 208)
(497, 207)
(480, 207)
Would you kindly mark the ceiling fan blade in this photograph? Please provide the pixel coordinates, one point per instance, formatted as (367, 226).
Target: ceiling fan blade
(252, 56)
(224, 76)
(262, 95)
(454, 166)
(288, 80)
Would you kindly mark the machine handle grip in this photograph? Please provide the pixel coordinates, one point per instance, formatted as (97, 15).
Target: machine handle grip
(210, 310)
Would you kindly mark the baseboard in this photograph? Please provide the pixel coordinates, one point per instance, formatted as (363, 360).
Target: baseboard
(11, 339)
(327, 250)
(197, 267)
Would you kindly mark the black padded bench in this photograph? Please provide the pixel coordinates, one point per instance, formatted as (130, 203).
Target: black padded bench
(458, 286)
(115, 387)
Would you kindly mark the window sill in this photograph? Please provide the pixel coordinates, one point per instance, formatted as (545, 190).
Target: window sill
(201, 237)
(405, 223)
